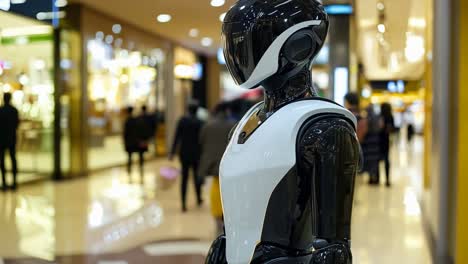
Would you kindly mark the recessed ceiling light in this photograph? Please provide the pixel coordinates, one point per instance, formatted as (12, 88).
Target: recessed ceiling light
(380, 6)
(164, 18)
(381, 28)
(221, 17)
(217, 3)
(109, 39)
(117, 28)
(100, 35)
(61, 3)
(206, 42)
(50, 15)
(194, 32)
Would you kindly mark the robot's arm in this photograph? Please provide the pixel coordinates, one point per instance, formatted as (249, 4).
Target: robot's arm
(328, 153)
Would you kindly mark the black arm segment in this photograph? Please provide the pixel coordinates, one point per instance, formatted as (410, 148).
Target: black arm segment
(328, 154)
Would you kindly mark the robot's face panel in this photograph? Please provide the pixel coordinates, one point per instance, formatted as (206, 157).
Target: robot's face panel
(250, 29)
(244, 48)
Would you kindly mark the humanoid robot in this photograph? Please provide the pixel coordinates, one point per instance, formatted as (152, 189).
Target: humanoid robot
(287, 176)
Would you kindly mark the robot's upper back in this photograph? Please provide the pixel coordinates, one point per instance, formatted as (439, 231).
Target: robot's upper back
(257, 158)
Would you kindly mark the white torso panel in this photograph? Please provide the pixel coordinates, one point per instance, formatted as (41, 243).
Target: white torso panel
(250, 172)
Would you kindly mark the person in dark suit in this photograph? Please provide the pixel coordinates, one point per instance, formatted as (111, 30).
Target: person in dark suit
(150, 124)
(134, 140)
(388, 129)
(371, 146)
(9, 122)
(186, 142)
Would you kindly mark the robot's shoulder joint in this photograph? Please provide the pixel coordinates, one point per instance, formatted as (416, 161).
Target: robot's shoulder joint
(323, 129)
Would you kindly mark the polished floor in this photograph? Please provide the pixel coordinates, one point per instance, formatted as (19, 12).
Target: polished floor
(108, 218)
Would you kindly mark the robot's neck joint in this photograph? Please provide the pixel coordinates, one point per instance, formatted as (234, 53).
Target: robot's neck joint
(282, 89)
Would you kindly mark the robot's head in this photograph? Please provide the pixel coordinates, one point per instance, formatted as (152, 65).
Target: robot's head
(266, 37)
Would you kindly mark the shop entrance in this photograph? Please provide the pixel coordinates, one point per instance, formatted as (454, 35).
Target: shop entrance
(26, 71)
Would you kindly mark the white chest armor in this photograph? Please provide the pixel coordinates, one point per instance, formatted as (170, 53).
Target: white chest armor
(250, 172)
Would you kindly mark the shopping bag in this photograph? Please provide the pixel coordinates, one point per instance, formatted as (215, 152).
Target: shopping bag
(167, 177)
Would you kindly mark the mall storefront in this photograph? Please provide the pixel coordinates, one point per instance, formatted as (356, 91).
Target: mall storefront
(26, 71)
(107, 66)
(73, 83)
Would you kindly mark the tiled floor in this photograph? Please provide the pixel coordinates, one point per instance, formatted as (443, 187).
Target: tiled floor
(106, 218)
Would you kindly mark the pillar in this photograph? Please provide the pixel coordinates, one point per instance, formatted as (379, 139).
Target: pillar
(461, 37)
(214, 82)
(339, 39)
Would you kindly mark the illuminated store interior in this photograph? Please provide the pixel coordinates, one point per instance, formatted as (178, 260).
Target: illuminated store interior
(26, 71)
(117, 78)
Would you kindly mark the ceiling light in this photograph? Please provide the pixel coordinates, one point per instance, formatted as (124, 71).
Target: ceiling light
(109, 39)
(381, 28)
(417, 22)
(17, 2)
(117, 28)
(50, 15)
(100, 35)
(194, 32)
(61, 3)
(380, 6)
(222, 16)
(217, 3)
(164, 18)
(206, 42)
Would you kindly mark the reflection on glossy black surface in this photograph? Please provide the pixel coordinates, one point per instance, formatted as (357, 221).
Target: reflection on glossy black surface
(217, 253)
(329, 153)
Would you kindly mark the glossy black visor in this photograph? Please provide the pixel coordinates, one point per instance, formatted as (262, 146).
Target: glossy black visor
(244, 47)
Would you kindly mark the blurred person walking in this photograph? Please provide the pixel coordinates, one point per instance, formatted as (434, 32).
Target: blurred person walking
(371, 145)
(410, 133)
(387, 130)
(353, 105)
(9, 122)
(135, 140)
(213, 141)
(150, 125)
(186, 144)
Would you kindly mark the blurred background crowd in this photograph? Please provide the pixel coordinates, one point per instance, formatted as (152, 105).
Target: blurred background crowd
(115, 114)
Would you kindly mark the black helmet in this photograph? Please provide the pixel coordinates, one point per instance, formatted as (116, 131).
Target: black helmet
(264, 37)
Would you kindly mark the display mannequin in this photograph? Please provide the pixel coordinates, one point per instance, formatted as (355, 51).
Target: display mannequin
(287, 176)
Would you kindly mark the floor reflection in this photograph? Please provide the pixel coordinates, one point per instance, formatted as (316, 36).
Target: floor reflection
(107, 217)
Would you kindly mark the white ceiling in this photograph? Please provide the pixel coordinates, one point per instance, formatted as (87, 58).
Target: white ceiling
(384, 62)
(186, 14)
